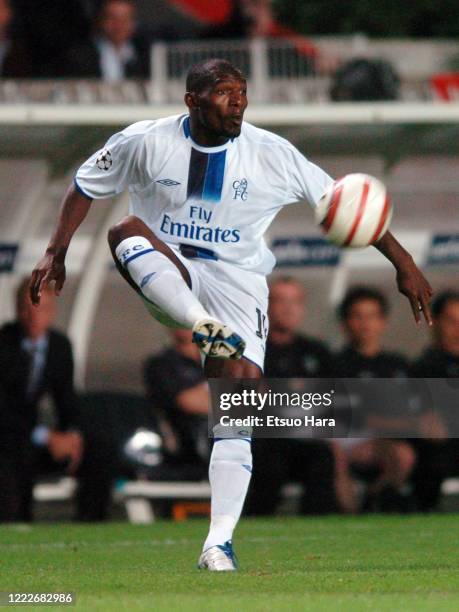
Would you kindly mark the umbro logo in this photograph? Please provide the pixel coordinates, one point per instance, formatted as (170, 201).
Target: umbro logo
(168, 182)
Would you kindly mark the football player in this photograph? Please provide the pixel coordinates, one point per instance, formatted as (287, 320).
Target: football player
(204, 187)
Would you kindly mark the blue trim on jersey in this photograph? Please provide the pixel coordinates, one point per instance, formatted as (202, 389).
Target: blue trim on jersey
(80, 190)
(137, 255)
(196, 174)
(186, 127)
(195, 252)
(205, 175)
(213, 181)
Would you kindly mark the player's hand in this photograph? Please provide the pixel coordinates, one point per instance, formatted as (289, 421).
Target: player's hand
(50, 268)
(413, 284)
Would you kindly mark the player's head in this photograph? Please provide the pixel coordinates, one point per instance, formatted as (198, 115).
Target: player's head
(445, 312)
(35, 320)
(287, 304)
(116, 20)
(364, 312)
(216, 95)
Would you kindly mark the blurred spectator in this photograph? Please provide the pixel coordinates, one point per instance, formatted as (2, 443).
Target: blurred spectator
(256, 19)
(36, 360)
(14, 61)
(180, 396)
(387, 464)
(441, 360)
(50, 28)
(248, 19)
(112, 54)
(290, 354)
(438, 458)
(279, 461)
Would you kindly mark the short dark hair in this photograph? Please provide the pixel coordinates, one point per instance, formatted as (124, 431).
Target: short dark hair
(359, 294)
(442, 300)
(209, 71)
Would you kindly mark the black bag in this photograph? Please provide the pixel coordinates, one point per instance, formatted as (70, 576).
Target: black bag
(362, 80)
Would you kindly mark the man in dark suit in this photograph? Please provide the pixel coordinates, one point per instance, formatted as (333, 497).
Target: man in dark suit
(112, 54)
(36, 360)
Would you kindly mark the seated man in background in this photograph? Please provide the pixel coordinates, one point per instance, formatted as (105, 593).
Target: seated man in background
(438, 458)
(112, 54)
(441, 359)
(179, 393)
(290, 354)
(388, 463)
(36, 360)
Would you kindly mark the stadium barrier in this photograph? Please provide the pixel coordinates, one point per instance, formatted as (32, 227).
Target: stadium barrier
(138, 497)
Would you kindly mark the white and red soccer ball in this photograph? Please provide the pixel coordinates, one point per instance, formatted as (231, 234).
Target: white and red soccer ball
(355, 211)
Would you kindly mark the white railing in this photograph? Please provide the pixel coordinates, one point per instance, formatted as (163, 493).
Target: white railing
(264, 62)
(279, 71)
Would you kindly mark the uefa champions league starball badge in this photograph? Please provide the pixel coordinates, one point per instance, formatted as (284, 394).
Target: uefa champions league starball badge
(104, 160)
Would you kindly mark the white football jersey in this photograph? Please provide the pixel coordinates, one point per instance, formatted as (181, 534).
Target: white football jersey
(220, 199)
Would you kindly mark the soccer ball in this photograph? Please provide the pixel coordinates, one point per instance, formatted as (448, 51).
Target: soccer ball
(104, 160)
(355, 211)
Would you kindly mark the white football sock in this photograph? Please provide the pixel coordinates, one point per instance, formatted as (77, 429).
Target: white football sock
(229, 474)
(160, 280)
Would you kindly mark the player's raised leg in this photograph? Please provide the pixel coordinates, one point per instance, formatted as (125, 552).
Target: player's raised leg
(230, 471)
(154, 271)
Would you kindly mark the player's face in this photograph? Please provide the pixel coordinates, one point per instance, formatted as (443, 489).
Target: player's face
(286, 307)
(447, 328)
(365, 322)
(221, 108)
(36, 320)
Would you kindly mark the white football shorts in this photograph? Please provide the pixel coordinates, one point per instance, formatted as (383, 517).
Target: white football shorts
(238, 298)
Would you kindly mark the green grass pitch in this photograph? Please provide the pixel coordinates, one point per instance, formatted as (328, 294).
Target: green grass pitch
(337, 563)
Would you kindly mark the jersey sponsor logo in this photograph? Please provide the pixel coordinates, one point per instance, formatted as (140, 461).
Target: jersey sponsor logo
(192, 231)
(168, 182)
(104, 160)
(240, 189)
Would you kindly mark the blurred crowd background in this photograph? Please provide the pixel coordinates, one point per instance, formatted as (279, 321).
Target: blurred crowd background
(112, 39)
(101, 438)
(142, 419)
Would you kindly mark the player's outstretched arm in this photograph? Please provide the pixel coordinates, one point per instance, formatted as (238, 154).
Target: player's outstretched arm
(410, 280)
(51, 266)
